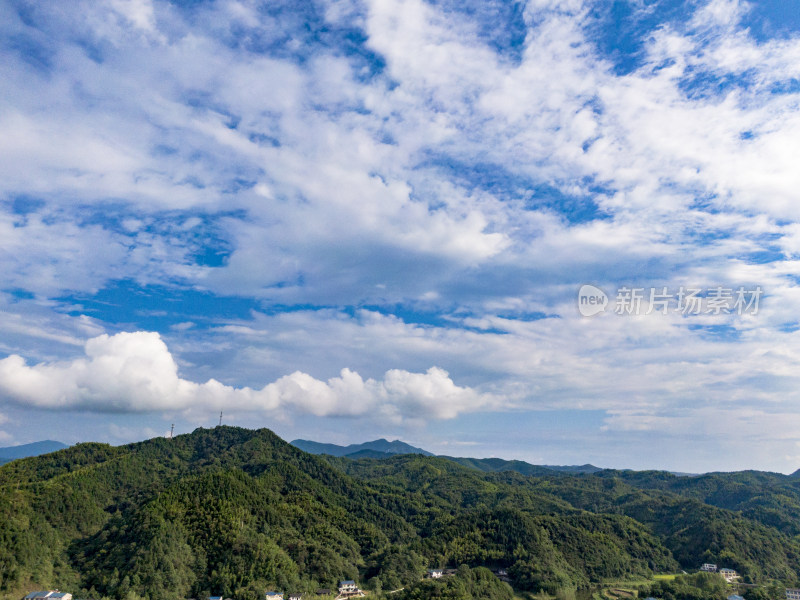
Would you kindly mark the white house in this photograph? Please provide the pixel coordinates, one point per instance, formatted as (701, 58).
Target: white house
(792, 594)
(435, 573)
(273, 596)
(709, 567)
(348, 589)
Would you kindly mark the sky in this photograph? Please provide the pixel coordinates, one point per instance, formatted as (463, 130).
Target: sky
(561, 231)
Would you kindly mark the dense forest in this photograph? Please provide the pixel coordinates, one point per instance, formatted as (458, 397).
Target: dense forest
(233, 512)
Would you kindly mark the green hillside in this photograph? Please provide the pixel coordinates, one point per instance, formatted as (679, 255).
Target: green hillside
(233, 512)
(770, 498)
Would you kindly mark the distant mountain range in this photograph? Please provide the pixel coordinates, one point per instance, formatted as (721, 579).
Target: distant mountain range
(26, 450)
(376, 449)
(385, 449)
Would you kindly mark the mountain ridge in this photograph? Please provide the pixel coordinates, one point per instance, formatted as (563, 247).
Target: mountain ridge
(497, 465)
(382, 448)
(380, 445)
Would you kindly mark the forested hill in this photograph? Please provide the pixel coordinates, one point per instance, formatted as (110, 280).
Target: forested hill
(233, 512)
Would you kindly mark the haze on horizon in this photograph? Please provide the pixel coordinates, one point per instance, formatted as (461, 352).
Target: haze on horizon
(353, 219)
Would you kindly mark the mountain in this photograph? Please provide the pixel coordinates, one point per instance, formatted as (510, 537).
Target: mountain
(234, 512)
(382, 446)
(25, 450)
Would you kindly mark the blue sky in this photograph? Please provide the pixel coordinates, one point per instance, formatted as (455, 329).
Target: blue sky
(351, 219)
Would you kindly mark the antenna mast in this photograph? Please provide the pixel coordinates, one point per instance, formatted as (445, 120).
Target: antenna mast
(220, 418)
(171, 430)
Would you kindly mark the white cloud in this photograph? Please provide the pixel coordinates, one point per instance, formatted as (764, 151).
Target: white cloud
(751, 424)
(135, 372)
(138, 12)
(726, 13)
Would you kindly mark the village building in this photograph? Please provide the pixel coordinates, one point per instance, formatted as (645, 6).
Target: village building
(709, 567)
(435, 573)
(349, 589)
(729, 574)
(274, 596)
(792, 594)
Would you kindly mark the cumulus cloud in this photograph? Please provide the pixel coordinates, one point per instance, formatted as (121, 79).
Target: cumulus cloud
(135, 372)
